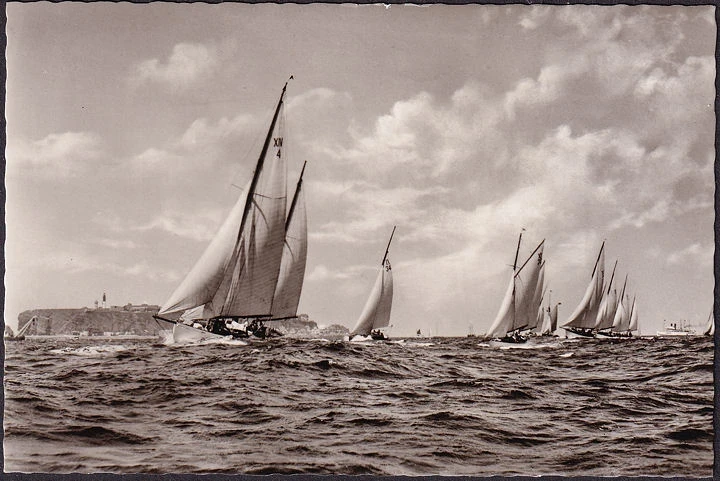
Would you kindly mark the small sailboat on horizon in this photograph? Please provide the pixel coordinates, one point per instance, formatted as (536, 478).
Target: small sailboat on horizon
(375, 316)
(252, 271)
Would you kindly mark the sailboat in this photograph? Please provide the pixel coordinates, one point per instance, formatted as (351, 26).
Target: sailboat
(376, 314)
(550, 316)
(582, 321)
(10, 335)
(252, 270)
(710, 329)
(519, 306)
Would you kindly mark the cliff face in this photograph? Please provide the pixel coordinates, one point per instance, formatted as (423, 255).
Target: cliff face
(92, 321)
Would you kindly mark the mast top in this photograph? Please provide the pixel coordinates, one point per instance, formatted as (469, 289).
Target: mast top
(286, 83)
(388, 246)
(598, 258)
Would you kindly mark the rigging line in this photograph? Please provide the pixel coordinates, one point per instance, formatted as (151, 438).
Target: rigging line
(295, 197)
(531, 256)
(269, 197)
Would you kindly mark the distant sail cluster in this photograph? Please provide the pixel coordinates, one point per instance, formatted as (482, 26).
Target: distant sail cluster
(600, 312)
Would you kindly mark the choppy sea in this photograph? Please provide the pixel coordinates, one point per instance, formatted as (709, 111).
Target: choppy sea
(455, 406)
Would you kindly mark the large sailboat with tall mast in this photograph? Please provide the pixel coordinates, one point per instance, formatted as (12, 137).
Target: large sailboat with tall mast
(520, 305)
(583, 319)
(252, 270)
(375, 316)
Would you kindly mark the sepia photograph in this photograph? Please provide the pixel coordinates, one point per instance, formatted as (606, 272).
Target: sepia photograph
(341, 239)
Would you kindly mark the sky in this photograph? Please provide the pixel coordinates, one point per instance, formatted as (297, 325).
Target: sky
(130, 126)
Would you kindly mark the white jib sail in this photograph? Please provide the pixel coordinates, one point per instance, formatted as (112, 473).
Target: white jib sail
(249, 284)
(203, 280)
(585, 314)
(506, 314)
(376, 313)
(292, 266)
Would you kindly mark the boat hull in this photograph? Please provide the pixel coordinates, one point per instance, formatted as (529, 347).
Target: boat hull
(615, 335)
(183, 333)
(675, 333)
(573, 334)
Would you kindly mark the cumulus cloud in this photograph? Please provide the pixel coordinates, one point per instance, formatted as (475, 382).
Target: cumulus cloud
(61, 155)
(118, 243)
(322, 273)
(202, 144)
(697, 253)
(196, 226)
(186, 64)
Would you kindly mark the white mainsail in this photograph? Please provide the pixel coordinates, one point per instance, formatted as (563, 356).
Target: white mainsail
(518, 308)
(554, 318)
(608, 305)
(376, 313)
(292, 266)
(710, 328)
(585, 314)
(621, 321)
(237, 274)
(633, 317)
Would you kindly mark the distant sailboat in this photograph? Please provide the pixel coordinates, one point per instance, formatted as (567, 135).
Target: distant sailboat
(245, 276)
(10, 335)
(550, 316)
(710, 328)
(519, 306)
(582, 320)
(376, 314)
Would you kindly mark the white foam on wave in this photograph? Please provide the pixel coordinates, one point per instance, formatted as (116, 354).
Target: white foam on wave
(100, 350)
(420, 344)
(567, 354)
(228, 341)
